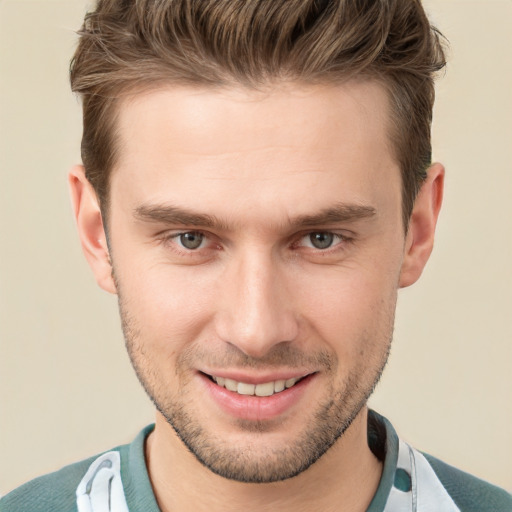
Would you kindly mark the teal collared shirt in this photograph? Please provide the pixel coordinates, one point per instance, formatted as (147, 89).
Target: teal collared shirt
(118, 481)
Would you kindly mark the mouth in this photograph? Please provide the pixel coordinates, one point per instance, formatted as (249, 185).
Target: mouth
(258, 397)
(262, 389)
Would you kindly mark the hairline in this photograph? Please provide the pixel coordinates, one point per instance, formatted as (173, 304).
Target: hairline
(133, 91)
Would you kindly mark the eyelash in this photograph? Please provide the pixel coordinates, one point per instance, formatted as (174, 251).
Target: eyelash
(342, 240)
(338, 240)
(170, 238)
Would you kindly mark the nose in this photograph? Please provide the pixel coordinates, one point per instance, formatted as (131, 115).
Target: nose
(255, 308)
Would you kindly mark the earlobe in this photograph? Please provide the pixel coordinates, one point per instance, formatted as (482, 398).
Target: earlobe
(422, 225)
(89, 223)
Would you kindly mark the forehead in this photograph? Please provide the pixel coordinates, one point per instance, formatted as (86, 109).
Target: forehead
(193, 117)
(255, 144)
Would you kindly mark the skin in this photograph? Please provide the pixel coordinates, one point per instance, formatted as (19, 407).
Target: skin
(253, 174)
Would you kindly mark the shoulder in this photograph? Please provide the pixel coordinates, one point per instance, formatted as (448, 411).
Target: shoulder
(468, 492)
(54, 491)
(93, 483)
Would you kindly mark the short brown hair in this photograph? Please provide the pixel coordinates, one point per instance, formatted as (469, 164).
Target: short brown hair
(130, 44)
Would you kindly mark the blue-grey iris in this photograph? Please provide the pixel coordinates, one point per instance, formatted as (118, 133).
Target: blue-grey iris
(191, 240)
(321, 240)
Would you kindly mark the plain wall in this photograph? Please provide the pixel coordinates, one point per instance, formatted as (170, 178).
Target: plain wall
(67, 390)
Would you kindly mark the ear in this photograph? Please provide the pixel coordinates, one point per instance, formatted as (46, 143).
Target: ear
(89, 222)
(422, 225)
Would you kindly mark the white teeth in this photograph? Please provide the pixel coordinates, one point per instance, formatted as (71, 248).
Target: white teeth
(231, 385)
(263, 389)
(245, 389)
(266, 389)
(279, 386)
(290, 382)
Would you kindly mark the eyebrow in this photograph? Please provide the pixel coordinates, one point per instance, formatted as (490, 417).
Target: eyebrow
(337, 213)
(168, 214)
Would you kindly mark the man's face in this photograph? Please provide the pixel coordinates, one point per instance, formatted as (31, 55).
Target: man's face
(257, 243)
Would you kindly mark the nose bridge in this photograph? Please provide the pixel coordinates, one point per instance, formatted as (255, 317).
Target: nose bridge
(256, 312)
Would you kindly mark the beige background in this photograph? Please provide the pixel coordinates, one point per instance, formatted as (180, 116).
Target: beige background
(66, 387)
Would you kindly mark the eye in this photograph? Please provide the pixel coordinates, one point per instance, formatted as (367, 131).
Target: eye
(190, 240)
(321, 240)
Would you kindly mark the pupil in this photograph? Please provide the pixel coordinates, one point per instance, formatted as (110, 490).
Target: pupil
(321, 240)
(191, 240)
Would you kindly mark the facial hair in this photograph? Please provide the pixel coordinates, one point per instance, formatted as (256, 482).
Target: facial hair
(248, 462)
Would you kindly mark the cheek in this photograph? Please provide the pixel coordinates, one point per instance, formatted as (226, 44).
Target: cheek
(168, 304)
(351, 310)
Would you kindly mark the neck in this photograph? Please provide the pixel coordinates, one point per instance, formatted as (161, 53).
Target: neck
(347, 474)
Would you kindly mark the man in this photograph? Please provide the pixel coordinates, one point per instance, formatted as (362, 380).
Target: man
(256, 187)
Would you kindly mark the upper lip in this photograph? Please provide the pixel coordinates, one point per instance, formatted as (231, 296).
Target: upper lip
(243, 376)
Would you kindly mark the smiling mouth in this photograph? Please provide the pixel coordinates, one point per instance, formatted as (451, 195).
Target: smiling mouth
(263, 389)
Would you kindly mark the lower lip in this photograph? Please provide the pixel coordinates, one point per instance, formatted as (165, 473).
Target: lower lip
(257, 408)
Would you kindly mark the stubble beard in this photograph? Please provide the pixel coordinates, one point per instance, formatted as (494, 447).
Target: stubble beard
(250, 463)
